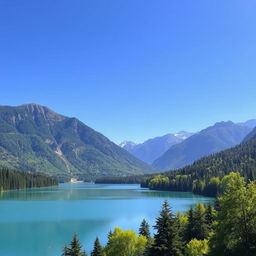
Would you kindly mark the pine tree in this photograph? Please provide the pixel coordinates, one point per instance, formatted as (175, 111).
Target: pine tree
(66, 251)
(189, 232)
(200, 228)
(209, 215)
(167, 241)
(144, 229)
(97, 250)
(110, 233)
(76, 247)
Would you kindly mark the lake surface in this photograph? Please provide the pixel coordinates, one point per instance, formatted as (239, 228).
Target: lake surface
(38, 222)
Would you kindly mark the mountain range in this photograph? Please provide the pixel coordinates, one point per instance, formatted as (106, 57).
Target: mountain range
(151, 149)
(204, 175)
(221, 136)
(35, 138)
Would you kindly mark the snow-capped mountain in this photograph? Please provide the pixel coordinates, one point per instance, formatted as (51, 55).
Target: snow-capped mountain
(153, 148)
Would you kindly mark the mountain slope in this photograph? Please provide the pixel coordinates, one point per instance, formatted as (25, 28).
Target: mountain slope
(221, 136)
(251, 135)
(151, 149)
(203, 176)
(33, 137)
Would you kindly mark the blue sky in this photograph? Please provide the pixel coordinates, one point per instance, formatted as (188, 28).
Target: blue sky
(131, 69)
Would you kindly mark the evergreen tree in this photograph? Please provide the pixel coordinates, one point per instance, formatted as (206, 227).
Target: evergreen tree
(167, 241)
(76, 247)
(189, 232)
(144, 229)
(97, 250)
(209, 217)
(110, 233)
(66, 251)
(200, 229)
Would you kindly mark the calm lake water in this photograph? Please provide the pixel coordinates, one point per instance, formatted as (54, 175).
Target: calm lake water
(38, 222)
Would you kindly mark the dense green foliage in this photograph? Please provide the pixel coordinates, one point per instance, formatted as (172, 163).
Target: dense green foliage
(226, 230)
(10, 179)
(235, 229)
(33, 137)
(204, 176)
(124, 243)
(219, 137)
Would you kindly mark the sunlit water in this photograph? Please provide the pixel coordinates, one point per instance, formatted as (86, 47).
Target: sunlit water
(38, 222)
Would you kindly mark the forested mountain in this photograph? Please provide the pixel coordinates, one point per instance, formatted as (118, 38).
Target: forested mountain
(151, 149)
(213, 139)
(33, 137)
(204, 175)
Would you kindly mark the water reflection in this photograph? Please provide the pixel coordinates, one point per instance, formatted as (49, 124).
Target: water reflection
(90, 192)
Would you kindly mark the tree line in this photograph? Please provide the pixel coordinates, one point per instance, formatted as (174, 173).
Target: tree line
(120, 180)
(225, 229)
(204, 176)
(10, 179)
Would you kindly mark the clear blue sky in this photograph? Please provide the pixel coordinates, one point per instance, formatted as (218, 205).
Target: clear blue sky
(131, 69)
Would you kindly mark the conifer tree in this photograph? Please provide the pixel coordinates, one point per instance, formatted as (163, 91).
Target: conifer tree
(200, 229)
(66, 251)
(209, 216)
(144, 229)
(110, 233)
(167, 241)
(189, 232)
(97, 250)
(76, 247)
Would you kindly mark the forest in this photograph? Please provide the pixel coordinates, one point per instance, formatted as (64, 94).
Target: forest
(225, 229)
(203, 176)
(10, 179)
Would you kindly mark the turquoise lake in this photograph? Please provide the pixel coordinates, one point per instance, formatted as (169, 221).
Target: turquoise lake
(38, 222)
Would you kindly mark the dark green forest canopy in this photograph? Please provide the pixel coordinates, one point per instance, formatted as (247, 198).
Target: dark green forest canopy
(204, 175)
(10, 179)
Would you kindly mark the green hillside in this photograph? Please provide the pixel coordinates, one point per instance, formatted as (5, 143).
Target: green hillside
(204, 175)
(33, 137)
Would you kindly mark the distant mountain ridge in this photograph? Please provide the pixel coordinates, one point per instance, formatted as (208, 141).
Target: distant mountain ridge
(221, 136)
(33, 137)
(151, 149)
(204, 175)
(251, 135)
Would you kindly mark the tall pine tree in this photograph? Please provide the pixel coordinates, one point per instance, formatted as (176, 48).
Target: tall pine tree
(200, 228)
(97, 250)
(189, 231)
(75, 249)
(144, 229)
(167, 241)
